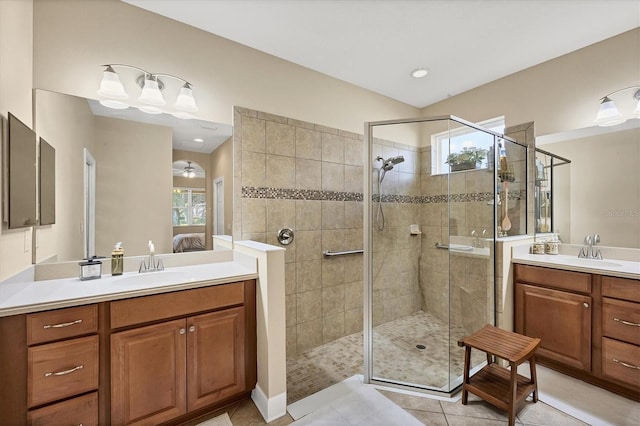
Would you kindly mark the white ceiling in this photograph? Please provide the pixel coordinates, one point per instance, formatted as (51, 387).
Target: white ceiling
(184, 131)
(375, 44)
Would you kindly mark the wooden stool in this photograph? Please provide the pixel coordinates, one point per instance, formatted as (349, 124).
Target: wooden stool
(497, 385)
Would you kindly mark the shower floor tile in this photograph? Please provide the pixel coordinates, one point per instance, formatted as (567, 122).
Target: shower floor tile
(396, 357)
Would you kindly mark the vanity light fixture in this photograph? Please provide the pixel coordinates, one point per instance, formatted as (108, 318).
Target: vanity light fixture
(189, 171)
(610, 115)
(151, 98)
(420, 72)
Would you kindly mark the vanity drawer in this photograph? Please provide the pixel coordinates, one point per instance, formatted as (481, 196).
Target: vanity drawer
(62, 369)
(48, 326)
(620, 361)
(82, 410)
(621, 288)
(170, 305)
(556, 278)
(621, 320)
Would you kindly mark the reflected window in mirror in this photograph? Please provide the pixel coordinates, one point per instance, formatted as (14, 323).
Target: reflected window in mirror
(189, 207)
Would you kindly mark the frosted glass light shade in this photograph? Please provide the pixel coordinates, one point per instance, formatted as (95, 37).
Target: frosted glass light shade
(151, 93)
(149, 109)
(111, 86)
(110, 103)
(185, 101)
(182, 115)
(608, 114)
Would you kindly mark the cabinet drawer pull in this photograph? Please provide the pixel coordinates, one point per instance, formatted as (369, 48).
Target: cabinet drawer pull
(62, 373)
(62, 325)
(633, 324)
(585, 304)
(635, 367)
(192, 329)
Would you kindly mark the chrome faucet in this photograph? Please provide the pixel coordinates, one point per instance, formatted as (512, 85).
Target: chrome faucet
(591, 252)
(151, 264)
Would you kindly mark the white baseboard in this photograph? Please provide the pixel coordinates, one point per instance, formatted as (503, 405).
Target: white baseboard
(270, 408)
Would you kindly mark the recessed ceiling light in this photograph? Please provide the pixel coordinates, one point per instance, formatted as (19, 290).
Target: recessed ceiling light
(198, 140)
(420, 72)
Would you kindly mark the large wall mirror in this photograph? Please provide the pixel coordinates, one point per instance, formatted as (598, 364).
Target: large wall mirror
(123, 176)
(599, 192)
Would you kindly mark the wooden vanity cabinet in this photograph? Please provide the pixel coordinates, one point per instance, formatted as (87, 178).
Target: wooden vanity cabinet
(160, 359)
(621, 330)
(589, 324)
(173, 369)
(50, 361)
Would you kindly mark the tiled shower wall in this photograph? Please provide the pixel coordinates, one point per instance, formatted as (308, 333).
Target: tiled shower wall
(457, 287)
(306, 177)
(396, 252)
(289, 173)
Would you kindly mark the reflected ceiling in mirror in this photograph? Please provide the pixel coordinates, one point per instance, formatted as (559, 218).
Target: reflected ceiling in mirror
(188, 135)
(134, 155)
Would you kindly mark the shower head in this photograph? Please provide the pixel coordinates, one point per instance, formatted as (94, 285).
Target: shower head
(390, 162)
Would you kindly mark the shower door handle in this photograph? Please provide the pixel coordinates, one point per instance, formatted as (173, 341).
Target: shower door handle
(442, 246)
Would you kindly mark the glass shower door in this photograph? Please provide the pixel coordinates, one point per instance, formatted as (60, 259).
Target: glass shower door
(429, 266)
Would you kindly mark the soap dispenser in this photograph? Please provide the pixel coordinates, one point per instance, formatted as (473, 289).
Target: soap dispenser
(117, 259)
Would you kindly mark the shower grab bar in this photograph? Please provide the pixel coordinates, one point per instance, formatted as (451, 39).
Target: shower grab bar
(340, 253)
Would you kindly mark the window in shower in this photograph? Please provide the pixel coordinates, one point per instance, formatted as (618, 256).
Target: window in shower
(462, 139)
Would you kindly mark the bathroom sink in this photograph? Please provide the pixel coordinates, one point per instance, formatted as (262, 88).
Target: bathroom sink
(594, 263)
(159, 278)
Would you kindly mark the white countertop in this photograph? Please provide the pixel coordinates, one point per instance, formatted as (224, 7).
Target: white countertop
(33, 296)
(610, 267)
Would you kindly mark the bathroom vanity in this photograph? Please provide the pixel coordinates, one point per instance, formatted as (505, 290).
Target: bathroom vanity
(136, 352)
(587, 317)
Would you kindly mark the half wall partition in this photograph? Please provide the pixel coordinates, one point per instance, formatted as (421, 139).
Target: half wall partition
(432, 216)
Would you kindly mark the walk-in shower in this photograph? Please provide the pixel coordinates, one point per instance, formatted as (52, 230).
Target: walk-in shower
(430, 228)
(387, 165)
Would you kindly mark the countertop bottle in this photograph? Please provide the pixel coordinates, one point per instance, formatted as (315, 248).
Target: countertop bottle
(117, 259)
(551, 246)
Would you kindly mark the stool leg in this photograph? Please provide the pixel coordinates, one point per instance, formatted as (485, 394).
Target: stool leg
(514, 391)
(534, 379)
(467, 362)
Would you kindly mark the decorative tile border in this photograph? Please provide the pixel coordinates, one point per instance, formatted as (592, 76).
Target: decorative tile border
(299, 194)
(308, 194)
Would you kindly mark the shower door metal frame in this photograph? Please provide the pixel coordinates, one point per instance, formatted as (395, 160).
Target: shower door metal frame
(368, 243)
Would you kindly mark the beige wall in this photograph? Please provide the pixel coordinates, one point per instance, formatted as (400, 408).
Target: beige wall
(68, 53)
(16, 75)
(605, 187)
(563, 95)
(558, 95)
(222, 167)
(67, 124)
(129, 208)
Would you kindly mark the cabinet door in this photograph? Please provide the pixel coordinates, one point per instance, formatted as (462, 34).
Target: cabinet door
(148, 374)
(562, 320)
(215, 353)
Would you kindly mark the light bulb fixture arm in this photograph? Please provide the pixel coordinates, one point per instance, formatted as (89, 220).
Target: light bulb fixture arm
(146, 73)
(636, 96)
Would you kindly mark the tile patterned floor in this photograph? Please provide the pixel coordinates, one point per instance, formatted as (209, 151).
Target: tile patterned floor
(322, 367)
(433, 412)
(395, 357)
